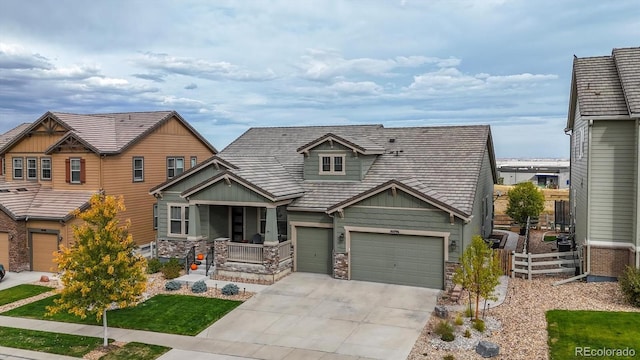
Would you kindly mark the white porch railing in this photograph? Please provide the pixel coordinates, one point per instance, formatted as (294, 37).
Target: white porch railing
(147, 250)
(284, 250)
(248, 253)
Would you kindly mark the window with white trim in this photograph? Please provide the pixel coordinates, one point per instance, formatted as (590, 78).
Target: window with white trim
(45, 168)
(74, 170)
(281, 216)
(332, 164)
(138, 169)
(155, 216)
(32, 168)
(18, 168)
(175, 166)
(178, 220)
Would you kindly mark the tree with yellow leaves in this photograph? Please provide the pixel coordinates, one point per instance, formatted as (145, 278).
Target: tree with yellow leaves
(100, 271)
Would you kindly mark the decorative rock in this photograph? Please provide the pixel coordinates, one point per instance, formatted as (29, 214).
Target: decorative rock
(487, 349)
(442, 312)
(44, 278)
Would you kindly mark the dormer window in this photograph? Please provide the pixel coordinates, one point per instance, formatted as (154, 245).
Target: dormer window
(332, 164)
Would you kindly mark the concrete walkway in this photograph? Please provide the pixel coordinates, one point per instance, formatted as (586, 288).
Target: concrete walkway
(304, 316)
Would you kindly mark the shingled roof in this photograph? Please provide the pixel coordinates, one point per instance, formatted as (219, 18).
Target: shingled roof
(106, 133)
(441, 163)
(31, 200)
(606, 85)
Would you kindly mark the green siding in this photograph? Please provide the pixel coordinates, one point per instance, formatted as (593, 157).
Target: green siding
(218, 221)
(613, 163)
(365, 164)
(578, 195)
(398, 259)
(308, 216)
(235, 192)
(193, 180)
(167, 198)
(352, 166)
(314, 249)
(402, 199)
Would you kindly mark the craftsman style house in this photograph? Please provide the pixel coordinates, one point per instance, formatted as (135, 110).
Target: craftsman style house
(52, 167)
(604, 123)
(393, 205)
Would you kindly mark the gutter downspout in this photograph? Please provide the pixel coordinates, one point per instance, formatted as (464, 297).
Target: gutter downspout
(637, 247)
(588, 229)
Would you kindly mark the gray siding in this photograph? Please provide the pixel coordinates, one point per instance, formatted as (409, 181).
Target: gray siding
(193, 180)
(235, 192)
(613, 163)
(218, 221)
(353, 171)
(482, 221)
(579, 178)
(308, 216)
(163, 214)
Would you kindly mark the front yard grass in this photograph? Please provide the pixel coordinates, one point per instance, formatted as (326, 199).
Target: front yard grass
(136, 350)
(54, 343)
(573, 331)
(172, 314)
(19, 292)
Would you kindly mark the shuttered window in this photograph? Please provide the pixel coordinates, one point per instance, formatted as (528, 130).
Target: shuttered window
(75, 171)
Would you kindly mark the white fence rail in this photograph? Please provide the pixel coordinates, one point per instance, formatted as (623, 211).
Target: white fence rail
(284, 250)
(147, 250)
(248, 253)
(531, 264)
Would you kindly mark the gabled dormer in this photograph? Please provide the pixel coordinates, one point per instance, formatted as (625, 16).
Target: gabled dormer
(338, 158)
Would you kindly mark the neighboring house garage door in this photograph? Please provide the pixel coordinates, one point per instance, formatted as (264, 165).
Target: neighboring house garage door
(4, 250)
(42, 248)
(398, 259)
(314, 248)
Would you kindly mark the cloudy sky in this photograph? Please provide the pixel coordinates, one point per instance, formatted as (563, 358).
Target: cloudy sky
(226, 66)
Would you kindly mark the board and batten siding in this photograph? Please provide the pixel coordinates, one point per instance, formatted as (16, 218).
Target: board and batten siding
(173, 139)
(613, 177)
(163, 216)
(39, 141)
(351, 164)
(579, 176)
(399, 212)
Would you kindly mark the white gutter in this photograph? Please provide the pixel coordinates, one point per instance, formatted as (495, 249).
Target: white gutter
(589, 185)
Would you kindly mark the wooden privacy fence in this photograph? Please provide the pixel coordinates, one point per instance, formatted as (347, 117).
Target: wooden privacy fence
(549, 263)
(504, 257)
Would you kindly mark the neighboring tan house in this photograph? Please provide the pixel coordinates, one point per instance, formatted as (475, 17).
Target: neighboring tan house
(52, 167)
(603, 121)
(544, 173)
(392, 205)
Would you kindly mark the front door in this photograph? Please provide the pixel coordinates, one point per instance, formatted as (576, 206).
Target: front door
(237, 224)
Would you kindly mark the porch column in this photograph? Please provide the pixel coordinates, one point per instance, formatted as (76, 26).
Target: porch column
(194, 222)
(271, 227)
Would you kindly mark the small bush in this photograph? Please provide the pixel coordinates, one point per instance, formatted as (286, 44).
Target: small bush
(469, 312)
(445, 330)
(172, 285)
(230, 289)
(630, 285)
(478, 324)
(458, 321)
(171, 269)
(449, 357)
(153, 266)
(199, 287)
(467, 333)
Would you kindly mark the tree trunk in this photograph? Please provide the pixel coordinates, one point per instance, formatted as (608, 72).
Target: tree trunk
(104, 326)
(477, 303)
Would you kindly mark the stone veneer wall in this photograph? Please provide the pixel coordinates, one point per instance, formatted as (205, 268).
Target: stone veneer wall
(449, 268)
(341, 266)
(19, 256)
(179, 248)
(270, 271)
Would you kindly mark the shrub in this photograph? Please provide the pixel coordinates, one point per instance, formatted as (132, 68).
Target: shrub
(199, 287)
(467, 333)
(478, 324)
(458, 321)
(172, 285)
(230, 289)
(153, 266)
(449, 357)
(445, 330)
(469, 312)
(171, 269)
(630, 285)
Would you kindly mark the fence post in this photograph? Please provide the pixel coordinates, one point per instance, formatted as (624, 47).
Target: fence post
(513, 264)
(529, 265)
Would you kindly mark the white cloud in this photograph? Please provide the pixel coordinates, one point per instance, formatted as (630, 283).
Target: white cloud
(356, 88)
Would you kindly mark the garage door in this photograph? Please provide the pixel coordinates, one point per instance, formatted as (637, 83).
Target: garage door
(398, 259)
(314, 247)
(42, 248)
(4, 250)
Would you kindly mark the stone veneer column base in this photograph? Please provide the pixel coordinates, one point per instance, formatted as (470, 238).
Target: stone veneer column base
(179, 248)
(449, 269)
(341, 266)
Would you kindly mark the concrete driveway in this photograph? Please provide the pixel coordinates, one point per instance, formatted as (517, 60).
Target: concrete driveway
(12, 279)
(311, 316)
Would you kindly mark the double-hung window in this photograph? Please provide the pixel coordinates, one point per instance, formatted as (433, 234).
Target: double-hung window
(179, 220)
(155, 216)
(332, 164)
(18, 168)
(138, 169)
(175, 166)
(75, 169)
(45, 168)
(32, 168)
(194, 161)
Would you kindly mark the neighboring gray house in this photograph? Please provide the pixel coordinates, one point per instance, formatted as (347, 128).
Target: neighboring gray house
(603, 121)
(393, 205)
(545, 173)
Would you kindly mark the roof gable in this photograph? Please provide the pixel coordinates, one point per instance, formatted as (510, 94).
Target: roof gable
(229, 178)
(214, 161)
(48, 123)
(627, 62)
(357, 145)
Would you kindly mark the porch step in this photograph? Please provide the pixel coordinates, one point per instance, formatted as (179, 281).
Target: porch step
(201, 270)
(191, 278)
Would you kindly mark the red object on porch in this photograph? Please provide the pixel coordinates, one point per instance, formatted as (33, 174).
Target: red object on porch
(194, 266)
(200, 257)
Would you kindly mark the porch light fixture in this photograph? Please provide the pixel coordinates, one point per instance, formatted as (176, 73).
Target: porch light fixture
(453, 245)
(341, 238)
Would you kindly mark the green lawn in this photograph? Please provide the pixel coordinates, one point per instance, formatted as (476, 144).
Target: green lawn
(62, 344)
(20, 292)
(550, 238)
(137, 351)
(173, 314)
(573, 331)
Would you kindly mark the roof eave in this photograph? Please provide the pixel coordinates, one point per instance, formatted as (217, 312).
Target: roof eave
(203, 165)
